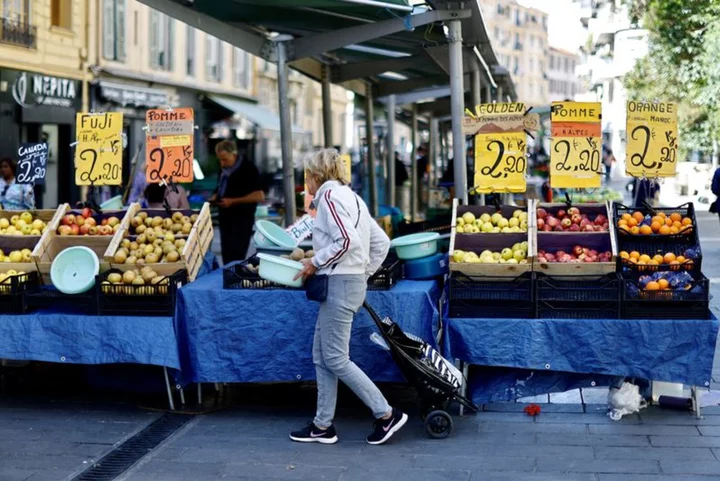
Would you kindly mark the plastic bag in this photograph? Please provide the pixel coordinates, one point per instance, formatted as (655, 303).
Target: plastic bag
(624, 401)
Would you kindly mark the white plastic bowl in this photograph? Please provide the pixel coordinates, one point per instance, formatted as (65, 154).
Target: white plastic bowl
(279, 270)
(416, 246)
(73, 271)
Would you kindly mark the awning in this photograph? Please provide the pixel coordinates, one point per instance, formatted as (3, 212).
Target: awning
(258, 115)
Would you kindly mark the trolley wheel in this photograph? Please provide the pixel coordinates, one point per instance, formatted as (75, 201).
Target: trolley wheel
(438, 424)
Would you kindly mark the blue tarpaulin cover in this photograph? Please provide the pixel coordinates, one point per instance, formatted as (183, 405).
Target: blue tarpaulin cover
(256, 335)
(559, 350)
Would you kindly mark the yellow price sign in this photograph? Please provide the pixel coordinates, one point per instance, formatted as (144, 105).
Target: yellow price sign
(500, 162)
(98, 154)
(652, 139)
(575, 147)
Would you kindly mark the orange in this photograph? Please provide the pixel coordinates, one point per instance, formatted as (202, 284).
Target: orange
(624, 255)
(624, 228)
(687, 221)
(668, 258)
(626, 217)
(662, 214)
(655, 226)
(659, 219)
(677, 224)
(638, 216)
(644, 258)
(674, 230)
(675, 217)
(653, 262)
(632, 222)
(658, 258)
(645, 230)
(652, 286)
(633, 260)
(634, 255)
(664, 230)
(622, 223)
(635, 230)
(663, 283)
(668, 221)
(680, 259)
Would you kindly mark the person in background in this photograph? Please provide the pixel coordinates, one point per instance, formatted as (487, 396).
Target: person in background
(608, 159)
(156, 194)
(645, 191)
(14, 196)
(401, 176)
(237, 196)
(422, 163)
(715, 188)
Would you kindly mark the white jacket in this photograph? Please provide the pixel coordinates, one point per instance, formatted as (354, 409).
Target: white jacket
(345, 234)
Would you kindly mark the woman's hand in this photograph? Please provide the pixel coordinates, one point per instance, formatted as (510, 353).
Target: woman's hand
(308, 269)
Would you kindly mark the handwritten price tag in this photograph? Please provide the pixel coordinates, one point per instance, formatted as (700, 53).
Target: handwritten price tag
(170, 145)
(98, 154)
(500, 162)
(32, 163)
(652, 139)
(575, 156)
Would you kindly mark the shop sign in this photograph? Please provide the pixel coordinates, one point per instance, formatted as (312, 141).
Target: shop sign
(652, 139)
(33, 90)
(575, 147)
(135, 96)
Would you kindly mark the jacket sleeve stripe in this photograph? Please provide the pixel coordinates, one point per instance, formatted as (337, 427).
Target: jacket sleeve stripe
(343, 232)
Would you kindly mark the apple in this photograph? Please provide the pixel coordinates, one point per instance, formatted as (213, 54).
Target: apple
(547, 228)
(506, 253)
(584, 223)
(558, 229)
(113, 221)
(578, 250)
(104, 222)
(576, 218)
(560, 213)
(540, 223)
(75, 229)
(27, 217)
(86, 212)
(79, 220)
(68, 219)
(91, 221)
(552, 222)
(574, 228)
(65, 230)
(468, 217)
(542, 259)
(600, 219)
(589, 228)
(92, 230)
(573, 211)
(84, 229)
(550, 257)
(541, 213)
(566, 222)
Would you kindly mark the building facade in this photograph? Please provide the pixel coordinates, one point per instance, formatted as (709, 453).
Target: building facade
(43, 83)
(563, 82)
(520, 39)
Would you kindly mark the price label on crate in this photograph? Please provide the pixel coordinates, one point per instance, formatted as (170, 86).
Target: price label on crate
(652, 139)
(170, 145)
(575, 147)
(98, 153)
(32, 163)
(500, 162)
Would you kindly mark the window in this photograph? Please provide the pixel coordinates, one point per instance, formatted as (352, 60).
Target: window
(552, 62)
(190, 51)
(162, 39)
(241, 69)
(532, 40)
(214, 59)
(496, 32)
(517, 18)
(114, 29)
(17, 10)
(516, 66)
(60, 13)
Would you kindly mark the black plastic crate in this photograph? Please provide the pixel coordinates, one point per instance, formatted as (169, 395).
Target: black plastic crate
(139, 300)
(578, 309)
(243, 275)
(387, 276)
(47, 297)
(441, 225)
(690, 303)
(13, 292)
(578, 288)
(492, 297)
(662, 310)
(688, 236)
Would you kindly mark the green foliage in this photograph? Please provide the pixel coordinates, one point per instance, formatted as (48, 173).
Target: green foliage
(682, 64)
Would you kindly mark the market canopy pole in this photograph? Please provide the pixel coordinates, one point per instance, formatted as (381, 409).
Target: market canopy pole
(477, 100)
(327, 107)
(390, 105)
(457, 108)
(369, 130)
(413, 164)
(288, 167)
(434, 177)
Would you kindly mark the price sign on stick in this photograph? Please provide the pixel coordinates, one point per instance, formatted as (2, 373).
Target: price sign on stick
(652, 139)
(575, 148)
(98, 154)
(32, 163)
(170, 147)
(500, 162)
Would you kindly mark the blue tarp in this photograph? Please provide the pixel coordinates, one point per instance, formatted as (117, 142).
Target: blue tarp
(678, 351)
(250, 335)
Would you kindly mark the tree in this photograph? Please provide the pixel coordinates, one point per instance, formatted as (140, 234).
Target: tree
(682, 64)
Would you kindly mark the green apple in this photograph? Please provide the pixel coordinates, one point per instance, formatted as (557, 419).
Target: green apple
(495, 230)
(460, 222)
(497, 256)
(470, 257)
(505, 230)
(523, 216)
(496, 218)
(468, 217)
(519, 255)
(487, 227)
(514, 229)
(486, 253)
(459, 229)
(485, 218)
(523, 225)
(514, 222)
(4, 223)
(458, 255)
(502, 222)
(524, 245)
(502, 261)
(516, 246)
(513, 261)
(517, 213)
(506, 253)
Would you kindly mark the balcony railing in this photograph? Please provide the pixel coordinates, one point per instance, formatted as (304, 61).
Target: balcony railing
(17, 32)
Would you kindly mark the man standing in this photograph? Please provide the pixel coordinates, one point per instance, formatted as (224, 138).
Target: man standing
(237, 196)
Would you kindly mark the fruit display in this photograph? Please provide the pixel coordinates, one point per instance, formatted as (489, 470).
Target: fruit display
(494, 223)
(16, 256)
(598, 196)
(133, 280)
(178, 224)
(641, 224)
(571, 220)
(517, 254)
(668, 281)
(88, 223)
(684, 261)
(9, 277)
(578, 254)
(22, 224)
(149, 248)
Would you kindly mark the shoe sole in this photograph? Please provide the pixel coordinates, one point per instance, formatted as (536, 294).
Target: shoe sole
(389, 434)
(331, 440)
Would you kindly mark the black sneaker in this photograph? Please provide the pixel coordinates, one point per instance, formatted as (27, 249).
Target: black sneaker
(385, 428)
(313, 434)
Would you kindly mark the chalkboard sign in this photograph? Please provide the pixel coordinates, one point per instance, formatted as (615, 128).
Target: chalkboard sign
(32, 163)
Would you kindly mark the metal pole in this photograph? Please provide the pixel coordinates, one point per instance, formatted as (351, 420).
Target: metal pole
(488, 93)
(413, 164)
(286, 133)
(369, 130)
(327, 107)
(476, 88)
(434, 149)
(390, 105)
(499, 94)
(169, 391)
(457, 108)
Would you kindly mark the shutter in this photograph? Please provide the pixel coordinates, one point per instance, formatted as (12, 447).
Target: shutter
(154, 38)
(237, 67)
(208, 57)
(220, 60)
(120, 29)
(170, 42)
(109, 29)
(190, 51)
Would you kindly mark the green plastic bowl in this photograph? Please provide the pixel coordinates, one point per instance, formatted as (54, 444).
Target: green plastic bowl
(73, 271)
(113, 203)
(416, 246)
(273, 250)
(269, 234)
(279, 270)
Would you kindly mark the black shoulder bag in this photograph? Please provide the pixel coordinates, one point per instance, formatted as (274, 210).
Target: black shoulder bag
(316, 287)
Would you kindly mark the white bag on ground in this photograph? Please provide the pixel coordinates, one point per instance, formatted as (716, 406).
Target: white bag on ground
(624, 401)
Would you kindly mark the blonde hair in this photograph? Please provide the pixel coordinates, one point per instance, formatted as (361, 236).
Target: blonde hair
(226, 146)
(325, 165)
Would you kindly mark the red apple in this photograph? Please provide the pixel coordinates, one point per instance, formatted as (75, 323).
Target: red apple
(573, 211)
(592, 252)
(542, 259)
(589, 228)
(553, 222)
(584, 223)
(104, 222)
(577, 250)
(550, 257)
(86, 212)
(91, 221)
(84, 229)
(75, 229)
(605, 226)
(68, 219)
(558, 229)
(600, 219)
(576, 219)
(65, 230)
(566, 222)
(540, 223)
(92, 230)
(547, 228)
(561, 213)
(79, 220)
(541, 213)
(574, 228)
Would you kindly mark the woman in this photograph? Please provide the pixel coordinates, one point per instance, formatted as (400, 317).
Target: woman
(156, 194)
(14, 196)
(349, 247)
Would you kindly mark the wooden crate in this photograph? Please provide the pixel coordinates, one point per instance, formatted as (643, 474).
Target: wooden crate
(495, 242)
(46, 215)
(51, 243)
(191, 258)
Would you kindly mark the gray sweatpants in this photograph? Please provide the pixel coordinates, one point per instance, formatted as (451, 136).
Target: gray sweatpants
(331, 350)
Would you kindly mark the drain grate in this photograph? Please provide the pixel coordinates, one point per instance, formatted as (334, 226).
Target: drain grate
(120, 459)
